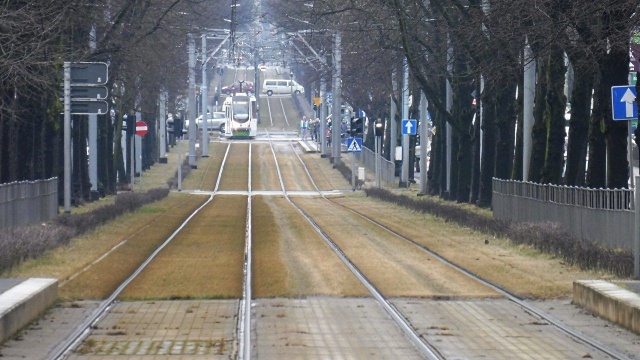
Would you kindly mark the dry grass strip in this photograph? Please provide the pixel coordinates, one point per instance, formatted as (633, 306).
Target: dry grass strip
(204, 261)
(323, 174)
(290, 258)
(519, 269)
(77, 258)
(293, 174)
(143, 234)
(236, 169)
(264, 175)
(395, 267)
(206, 175)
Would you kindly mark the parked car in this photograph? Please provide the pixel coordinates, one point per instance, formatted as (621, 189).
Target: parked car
(280, 86)
(237, 87)
(216, 121)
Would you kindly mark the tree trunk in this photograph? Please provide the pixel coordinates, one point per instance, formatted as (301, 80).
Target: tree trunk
(505, 124)
(596, 169)
(539, 131)
(475, 176)
(488, 148)
(615, 70)
(517, 171)
(578, 126)
(434, 174)
(554, 118)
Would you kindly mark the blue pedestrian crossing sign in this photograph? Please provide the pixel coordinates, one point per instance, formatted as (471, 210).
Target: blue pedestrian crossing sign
(623, 102)
(354, 144)
(409, 127)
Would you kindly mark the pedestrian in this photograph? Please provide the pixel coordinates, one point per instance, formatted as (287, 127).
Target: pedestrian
(316, 129)
(304, 127)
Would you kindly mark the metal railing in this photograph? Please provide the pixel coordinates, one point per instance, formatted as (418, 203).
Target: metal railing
(28, 202)
(599, 215)
(387, 168)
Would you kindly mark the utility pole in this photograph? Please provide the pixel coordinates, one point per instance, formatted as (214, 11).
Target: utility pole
(163, 127)
(527, 118)
(192, 103)
(93, 136)
(336, 121)
(205, 100)
(424, 143)
(393, 125)
(67, 137)
(449, 104)
(404, 181)
(323, 117)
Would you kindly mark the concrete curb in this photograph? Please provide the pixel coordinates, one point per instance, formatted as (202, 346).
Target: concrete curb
(609, 301)
(308, 146)
(24, 302)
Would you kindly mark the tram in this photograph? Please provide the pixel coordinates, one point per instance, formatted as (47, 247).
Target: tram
(241, 116)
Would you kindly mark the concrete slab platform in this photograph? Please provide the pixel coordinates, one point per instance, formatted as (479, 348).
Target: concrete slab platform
(326, 328)
(609, 301)
(490, 329)
(22, 301)
(319, 328)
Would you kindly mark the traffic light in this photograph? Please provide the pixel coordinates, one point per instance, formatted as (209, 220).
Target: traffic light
(177, 127)
(315, 107)
(379, 128)
(130, 122)
(356, 127)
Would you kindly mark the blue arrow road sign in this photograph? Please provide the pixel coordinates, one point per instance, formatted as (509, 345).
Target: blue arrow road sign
(623, 102)
(409, 127)
(354, 144)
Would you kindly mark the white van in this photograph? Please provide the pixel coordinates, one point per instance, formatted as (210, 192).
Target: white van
(279, 86)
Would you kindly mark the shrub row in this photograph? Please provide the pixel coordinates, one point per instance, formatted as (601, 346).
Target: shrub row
(21, 243)
(186, 169)
(550, 238)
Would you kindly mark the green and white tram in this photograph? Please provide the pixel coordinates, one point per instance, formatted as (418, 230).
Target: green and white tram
(242, 116)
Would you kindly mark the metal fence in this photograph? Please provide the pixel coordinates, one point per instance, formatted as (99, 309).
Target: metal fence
(600, 215)
(28, 202)
(387, 168)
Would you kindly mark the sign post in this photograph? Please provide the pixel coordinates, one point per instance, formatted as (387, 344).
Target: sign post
(354, 145)
(81, 96)
(141, 130)
(409, 127)
(623, 102)
(624, 108)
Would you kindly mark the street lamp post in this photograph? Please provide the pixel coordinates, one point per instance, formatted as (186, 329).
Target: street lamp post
(379, 132)
(291, 81)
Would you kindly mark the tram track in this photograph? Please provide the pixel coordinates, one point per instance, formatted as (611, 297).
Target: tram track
(299, 199)
(430, 351)
(80, 332)
(427, 349)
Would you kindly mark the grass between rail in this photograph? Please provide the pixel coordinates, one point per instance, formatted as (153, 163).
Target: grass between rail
(519, 268)
(291, 259)
(203, 261)
(236, 174)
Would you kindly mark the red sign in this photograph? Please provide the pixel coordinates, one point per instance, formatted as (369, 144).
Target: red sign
(141, 128)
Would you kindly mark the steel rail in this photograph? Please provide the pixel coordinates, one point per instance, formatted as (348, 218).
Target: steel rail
(510, 296)
(424, 347)
(63, 349)
(284, 112)
(244, 329)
